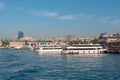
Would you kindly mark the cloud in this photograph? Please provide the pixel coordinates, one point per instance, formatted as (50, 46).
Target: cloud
(75, 16)
(66, 17)
(106, 19)
(61, 17)
(85, 16)
(110, 20)
(44, 13)
(52, 14)
(115, 21)
(2, 5)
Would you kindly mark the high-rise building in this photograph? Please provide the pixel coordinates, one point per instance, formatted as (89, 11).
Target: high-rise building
(20, 35)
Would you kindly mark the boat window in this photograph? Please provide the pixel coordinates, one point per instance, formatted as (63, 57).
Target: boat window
(98, 48)
(80, 49)
(83, 51)
(58, 48)
(47, 48)
(50, 48)
(65, 49)
(88, 51)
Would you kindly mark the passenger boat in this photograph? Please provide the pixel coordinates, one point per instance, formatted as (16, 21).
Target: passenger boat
(49, 50)
(83, 49)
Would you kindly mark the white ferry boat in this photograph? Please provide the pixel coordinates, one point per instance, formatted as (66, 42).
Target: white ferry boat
(83, 49)
(49, 50)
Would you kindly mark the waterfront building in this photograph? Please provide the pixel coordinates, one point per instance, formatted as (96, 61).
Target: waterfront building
(111, 39)
(117, 36)
(71, 38)
(103, 39)
(85, 40)
(59, 39)
(27, 39)
(44, 38)
(15, 44)
(1, 43)
(20, 35)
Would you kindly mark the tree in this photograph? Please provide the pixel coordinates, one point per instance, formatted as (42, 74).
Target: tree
(74, 42)
(94, 41)
(5, 43)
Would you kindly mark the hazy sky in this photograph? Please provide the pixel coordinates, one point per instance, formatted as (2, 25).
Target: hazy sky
(56, 18)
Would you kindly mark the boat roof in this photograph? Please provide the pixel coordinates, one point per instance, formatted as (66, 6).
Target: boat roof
(50, 47)
(86, 45)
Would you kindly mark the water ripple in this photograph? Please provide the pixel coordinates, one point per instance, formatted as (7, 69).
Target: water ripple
(29, 65)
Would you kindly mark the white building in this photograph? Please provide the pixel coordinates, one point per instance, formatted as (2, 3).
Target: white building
(27, 39)
(1, 43)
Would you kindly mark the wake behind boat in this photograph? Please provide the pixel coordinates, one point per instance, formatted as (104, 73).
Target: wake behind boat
(24, 47)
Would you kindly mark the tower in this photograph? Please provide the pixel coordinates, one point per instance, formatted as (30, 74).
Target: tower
(20, 35)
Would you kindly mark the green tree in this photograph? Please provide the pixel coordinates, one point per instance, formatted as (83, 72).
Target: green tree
(94, 41)
(74, 42)
(5, 43)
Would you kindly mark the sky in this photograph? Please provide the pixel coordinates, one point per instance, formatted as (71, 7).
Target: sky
(58, 18)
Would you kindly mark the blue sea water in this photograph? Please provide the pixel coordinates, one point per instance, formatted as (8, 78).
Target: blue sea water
(29, 65)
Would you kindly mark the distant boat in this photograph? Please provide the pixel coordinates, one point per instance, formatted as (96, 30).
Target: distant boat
(83, 49)
(49, 50)
(25, 47)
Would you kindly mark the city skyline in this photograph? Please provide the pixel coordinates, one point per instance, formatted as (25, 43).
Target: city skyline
(55, 18)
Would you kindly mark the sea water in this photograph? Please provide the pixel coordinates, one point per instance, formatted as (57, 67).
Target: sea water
(29, 65)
